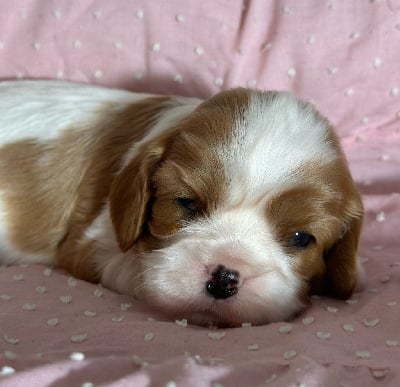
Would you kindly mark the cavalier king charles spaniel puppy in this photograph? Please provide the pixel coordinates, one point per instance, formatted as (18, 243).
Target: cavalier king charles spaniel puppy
(229, 210)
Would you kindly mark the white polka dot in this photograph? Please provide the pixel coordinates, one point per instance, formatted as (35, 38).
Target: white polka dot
(218, 81)
(10, 355)
(98, 293)
(246, 325)
(291, 72)
(391, 303)
(5, 297)
(311, 39)
(57, 13)
(149, 336)
(1, 45)
(199, 50)
(349, 92)
(251, 83)
(171, 383)
(77, 44)
(138, 75)
(10, 340)
(355, 35)
(98, 74)
(380, 217)
(352, 301)
(332, 309)
(308, 320)
(72, 282)
(287, 10)
(285, 328)
(372, 290)
(117, 318)
(78, 338)
(125, 306)
(289, 354)
(363, 354)
(377, 62)
(348, 328)
(372, 323)
(380, 374)
(118, 45)
(394, 91)
(253, 347)
(60, 74)
(52, 322)
(36, 46)
(392, 343)
(77, 356)
(180, 18)
(29, 307)
(178, 79)
(97, 14)
(87, 384)
(89, 313)
(156, 46)
(323, 335)
(181, 323)
(378, 248)
(216, 335)
(365, 120)
(18, 277)
(139, 14)
(332, 70)
(66, 299)
(47, 272)
(7, 370)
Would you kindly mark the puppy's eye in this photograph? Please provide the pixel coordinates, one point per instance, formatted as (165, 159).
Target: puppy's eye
(188, 204)
(302, 240)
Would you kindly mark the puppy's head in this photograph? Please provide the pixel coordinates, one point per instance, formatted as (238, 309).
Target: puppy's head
(241, 211)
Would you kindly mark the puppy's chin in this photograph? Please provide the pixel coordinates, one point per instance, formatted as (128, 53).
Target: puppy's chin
(184, 297)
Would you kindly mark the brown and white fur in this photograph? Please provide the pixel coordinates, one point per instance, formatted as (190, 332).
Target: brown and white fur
(225, 211)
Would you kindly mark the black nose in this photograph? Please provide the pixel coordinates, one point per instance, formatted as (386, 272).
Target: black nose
(223, 283)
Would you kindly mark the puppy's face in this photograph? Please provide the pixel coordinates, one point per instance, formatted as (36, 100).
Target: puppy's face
(245, 209)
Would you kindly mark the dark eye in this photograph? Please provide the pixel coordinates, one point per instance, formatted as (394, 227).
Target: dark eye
(302, 240)
(189, 205)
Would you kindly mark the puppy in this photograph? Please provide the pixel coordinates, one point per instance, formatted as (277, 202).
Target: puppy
(229, 210)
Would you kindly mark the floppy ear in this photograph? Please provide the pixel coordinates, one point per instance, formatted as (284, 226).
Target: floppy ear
(344, 272)
(130, 194)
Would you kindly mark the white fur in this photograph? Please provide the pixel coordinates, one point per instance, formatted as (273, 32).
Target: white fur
(272, 141)
(42, 110)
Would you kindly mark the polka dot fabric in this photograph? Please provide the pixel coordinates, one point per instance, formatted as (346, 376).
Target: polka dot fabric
(342, 55)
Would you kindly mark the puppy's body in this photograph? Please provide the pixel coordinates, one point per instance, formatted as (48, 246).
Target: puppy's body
(225, 211)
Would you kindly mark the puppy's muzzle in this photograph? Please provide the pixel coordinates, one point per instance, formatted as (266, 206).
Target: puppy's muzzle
(223, 283)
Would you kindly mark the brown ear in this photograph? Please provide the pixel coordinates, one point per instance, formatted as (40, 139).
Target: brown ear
(130, 194)
(341, 259)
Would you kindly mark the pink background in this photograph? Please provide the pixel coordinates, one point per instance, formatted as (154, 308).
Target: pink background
(342, 55)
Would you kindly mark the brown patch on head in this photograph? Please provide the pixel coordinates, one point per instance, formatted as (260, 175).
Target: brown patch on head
(191, 166)
(326, 205)
(53, 190)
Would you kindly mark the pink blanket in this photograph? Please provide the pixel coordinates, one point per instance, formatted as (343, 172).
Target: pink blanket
(344, 56)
